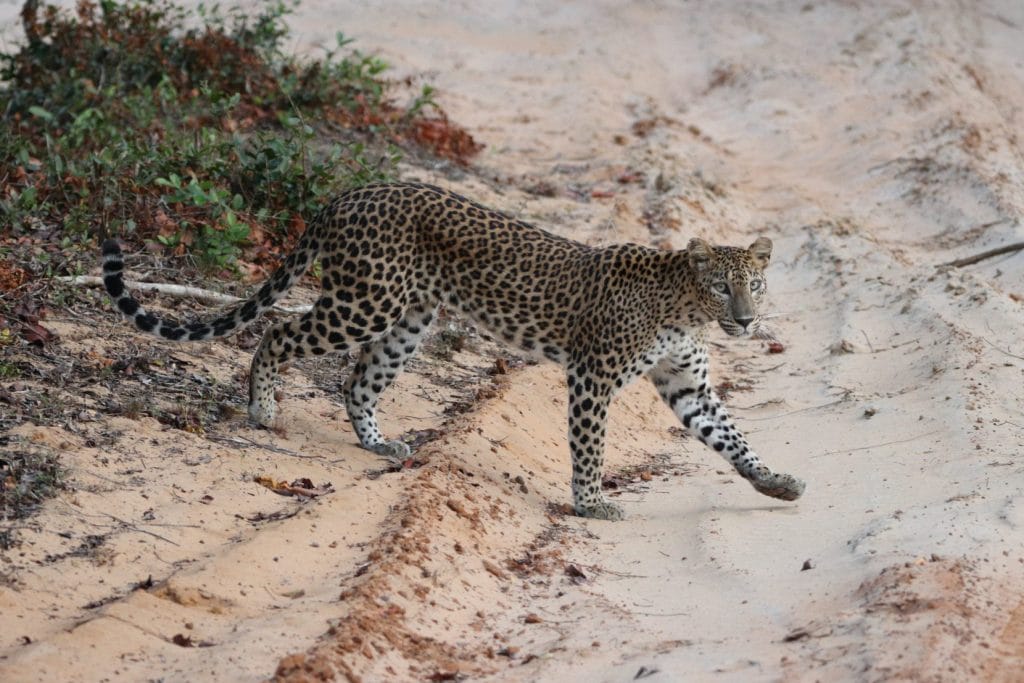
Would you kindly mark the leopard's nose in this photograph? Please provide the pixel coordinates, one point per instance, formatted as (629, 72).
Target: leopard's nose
(744, 321)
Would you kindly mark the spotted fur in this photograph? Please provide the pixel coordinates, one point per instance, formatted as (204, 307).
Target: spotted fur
(392, 253)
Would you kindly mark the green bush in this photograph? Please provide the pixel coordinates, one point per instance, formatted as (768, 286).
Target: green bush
(125, 119)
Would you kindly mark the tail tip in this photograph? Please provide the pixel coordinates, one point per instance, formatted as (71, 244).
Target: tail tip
(111, 247)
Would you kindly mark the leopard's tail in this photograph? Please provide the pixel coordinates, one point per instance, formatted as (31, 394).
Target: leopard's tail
(287, 274)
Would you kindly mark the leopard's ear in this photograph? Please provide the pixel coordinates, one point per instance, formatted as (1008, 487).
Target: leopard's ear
(700, 254)
(761, 251)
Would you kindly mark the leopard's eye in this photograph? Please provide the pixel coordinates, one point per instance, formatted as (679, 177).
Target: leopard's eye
(756, 285)
(720, 287)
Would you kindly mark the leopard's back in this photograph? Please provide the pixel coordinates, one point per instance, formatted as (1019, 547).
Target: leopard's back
(414, 243)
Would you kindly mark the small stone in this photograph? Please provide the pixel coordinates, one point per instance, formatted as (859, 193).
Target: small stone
(841, 347)
(495, 570)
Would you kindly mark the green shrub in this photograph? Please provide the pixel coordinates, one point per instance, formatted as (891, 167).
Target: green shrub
(125, 119)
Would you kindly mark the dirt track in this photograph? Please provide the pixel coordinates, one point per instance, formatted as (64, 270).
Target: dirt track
(870, 142)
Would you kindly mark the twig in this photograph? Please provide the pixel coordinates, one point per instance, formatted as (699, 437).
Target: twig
(1011, 355)
(90, 473)
(792, 412)
(896, 346)
(242, 442)
(998, 251)
(871, 347)
(177, 291)
(877, 445)
(601, 570)
(558, 621)
(275, 516)
(132, 527)
(762, 404)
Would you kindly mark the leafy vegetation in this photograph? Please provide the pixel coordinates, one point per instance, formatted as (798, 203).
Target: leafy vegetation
(28, 475)
(124, 118)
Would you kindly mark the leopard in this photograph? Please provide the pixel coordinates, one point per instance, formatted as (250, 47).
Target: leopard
(391, 254)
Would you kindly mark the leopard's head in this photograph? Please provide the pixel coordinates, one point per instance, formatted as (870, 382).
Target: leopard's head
(731, 283)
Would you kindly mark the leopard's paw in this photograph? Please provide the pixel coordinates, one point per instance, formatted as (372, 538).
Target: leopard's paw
(263, 413)
(781, 486)
(393, 450)
(603, 509)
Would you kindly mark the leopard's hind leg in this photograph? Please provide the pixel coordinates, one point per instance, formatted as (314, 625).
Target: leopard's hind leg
(325, 329)
(379, 364)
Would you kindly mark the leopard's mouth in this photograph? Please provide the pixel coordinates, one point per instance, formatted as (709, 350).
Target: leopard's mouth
(734, 329)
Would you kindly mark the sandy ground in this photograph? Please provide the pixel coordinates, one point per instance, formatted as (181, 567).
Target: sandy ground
(871, 141)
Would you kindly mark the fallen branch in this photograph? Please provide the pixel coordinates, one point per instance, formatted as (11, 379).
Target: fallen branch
(177, 291)
(969, 260)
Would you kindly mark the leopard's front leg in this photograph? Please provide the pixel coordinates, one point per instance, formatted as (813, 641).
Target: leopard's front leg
(588, 416)
(682, 381)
